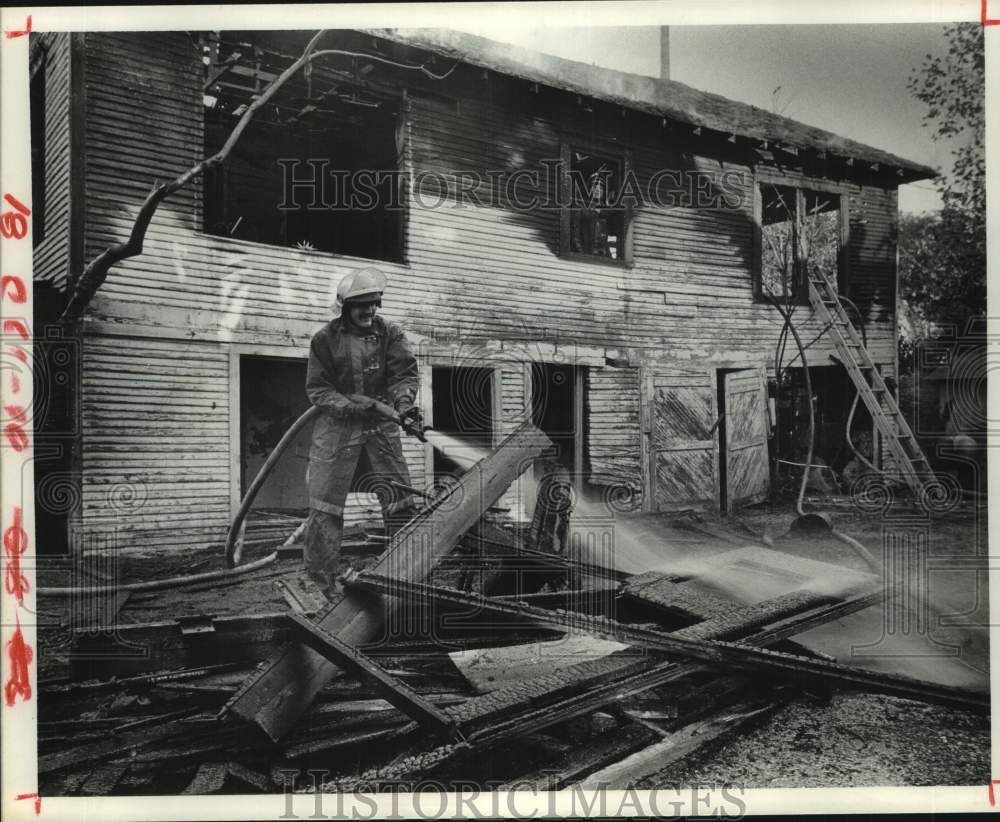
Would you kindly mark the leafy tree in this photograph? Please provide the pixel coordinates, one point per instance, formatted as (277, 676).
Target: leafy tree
(953, 89)
(943, 255)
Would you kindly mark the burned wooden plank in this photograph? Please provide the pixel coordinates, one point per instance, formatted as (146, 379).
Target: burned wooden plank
(130, 649)
(302, 594)
(704, 650)
(332, 742)
(643, 676)
(103, 780)
(489, 669)
(278, 695)
(177, 675)
(750, 617)
(394, 690)
(679, 744)
(107, 748)
(663, 592)
(586, 600)
(210, 778)
(609, 747)
(595, 689)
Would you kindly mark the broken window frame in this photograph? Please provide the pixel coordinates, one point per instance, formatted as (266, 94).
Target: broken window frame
(802, 188)
(218, 199)
(616, 154)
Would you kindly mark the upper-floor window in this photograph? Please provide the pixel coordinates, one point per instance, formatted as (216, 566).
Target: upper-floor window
(596, 218)
(319, 167)
(800, 235)
(36, 113)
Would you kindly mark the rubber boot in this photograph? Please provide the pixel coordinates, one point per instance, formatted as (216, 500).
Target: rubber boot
(321, 550)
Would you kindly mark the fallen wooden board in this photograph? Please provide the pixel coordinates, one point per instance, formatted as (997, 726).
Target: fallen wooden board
(285, 687)
(130, 649)
(712, 651)
(711, 587)
(609, 747)
(488, 669)
(540, 704)
(352, 660)
(677, 745)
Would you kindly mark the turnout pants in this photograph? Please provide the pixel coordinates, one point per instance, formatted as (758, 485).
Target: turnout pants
(342, 461)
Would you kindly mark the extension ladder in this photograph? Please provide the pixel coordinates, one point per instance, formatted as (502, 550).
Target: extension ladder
(911, 463)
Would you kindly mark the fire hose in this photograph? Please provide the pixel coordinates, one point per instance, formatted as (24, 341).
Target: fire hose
(234, 541)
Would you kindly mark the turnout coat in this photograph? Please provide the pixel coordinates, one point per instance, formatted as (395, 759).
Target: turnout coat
(348, 453)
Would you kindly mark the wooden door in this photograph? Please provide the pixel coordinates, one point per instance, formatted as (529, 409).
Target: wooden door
(681, 446)
(746, 466)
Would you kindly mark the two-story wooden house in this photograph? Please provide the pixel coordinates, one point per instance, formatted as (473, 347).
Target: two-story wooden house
(590, 249)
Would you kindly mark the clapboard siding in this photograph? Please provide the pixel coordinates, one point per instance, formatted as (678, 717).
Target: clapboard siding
(695, 262)
(51, 256)
(872, 253)
(155, 444)
(479, 276)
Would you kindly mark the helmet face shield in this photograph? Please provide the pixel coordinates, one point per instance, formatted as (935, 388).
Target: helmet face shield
(365, 299)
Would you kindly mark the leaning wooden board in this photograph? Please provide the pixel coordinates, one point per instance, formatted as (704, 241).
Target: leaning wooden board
(286, 686)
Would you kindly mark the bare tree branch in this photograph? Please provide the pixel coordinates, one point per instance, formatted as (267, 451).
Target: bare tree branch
(96, 272)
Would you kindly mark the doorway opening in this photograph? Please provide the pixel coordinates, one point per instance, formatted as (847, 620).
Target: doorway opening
(557, 409)
(462, 406)
(833, 395)
(272, 397)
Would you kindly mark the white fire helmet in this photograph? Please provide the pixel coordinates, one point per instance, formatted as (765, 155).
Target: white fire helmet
(358, 285)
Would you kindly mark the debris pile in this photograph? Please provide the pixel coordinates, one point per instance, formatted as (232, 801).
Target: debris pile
(432, 665)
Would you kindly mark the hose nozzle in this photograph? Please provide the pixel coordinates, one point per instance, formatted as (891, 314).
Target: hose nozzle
(415, 428)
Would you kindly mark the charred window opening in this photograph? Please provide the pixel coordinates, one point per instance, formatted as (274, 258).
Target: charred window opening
(597, 217)
(37, 115)
(271, 399)
(779, 272)
(320, 165)
(462, 408)
(800, 235)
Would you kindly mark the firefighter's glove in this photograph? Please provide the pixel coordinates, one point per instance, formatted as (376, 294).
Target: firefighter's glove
(409, 413)
(358, 411)
(411, 420)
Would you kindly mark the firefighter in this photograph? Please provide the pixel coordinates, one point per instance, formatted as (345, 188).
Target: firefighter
(358, 355)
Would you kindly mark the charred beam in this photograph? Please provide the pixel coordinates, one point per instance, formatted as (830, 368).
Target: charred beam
(395, 691)
(285, 687)
(713, 652)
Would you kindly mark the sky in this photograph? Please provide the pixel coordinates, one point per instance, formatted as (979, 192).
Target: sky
(849, 79)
